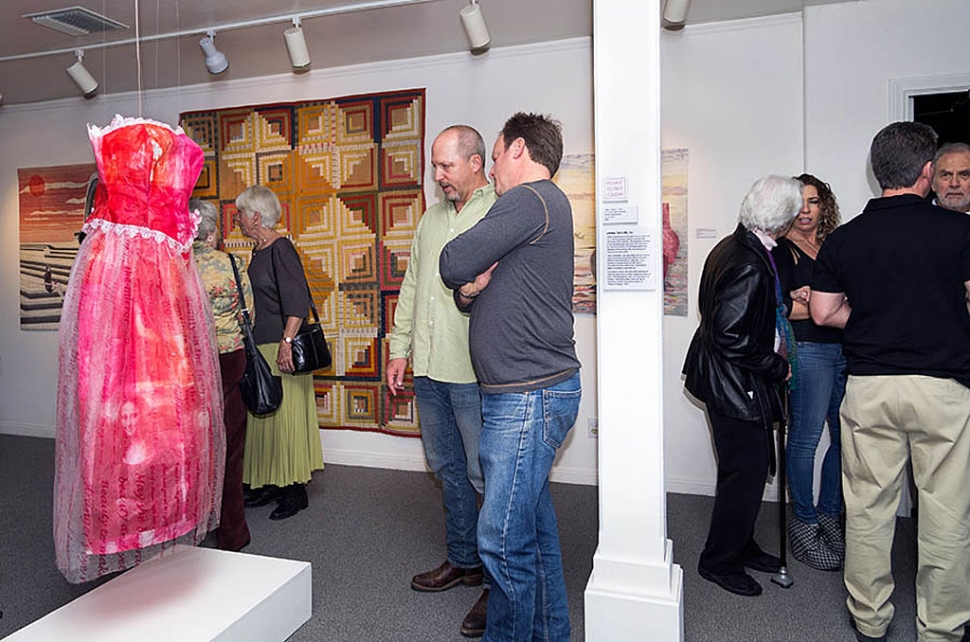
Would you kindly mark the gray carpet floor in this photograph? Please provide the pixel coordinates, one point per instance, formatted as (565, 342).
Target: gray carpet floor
(367, 531)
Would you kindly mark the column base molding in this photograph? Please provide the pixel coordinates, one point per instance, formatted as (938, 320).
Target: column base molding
(631, 601)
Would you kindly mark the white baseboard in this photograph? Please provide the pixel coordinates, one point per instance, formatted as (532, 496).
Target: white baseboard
(365, 459)
(27, 430)
(686, 486)
(706, 487)
(389, 461)
(578, 476)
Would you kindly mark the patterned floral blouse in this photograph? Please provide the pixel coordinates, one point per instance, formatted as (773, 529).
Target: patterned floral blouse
(220, 284)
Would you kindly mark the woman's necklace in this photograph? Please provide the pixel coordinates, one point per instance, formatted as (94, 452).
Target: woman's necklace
(262, 242)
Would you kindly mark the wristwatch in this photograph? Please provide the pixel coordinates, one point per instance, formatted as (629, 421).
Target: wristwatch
(287, 339)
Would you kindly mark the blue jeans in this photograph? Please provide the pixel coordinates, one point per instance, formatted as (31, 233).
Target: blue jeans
(817, 397)
(518, 537)
(451, 427)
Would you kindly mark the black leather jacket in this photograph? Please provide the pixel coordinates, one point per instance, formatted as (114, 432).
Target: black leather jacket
(731, 364)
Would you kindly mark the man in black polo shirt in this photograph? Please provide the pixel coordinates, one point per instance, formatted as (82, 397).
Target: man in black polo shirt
(896, 278)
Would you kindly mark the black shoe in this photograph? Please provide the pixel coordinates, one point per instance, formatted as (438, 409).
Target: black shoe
(298, 493)
(763, 562)
(286, 508)
(293, 500)
(739, 582)
(261, 496)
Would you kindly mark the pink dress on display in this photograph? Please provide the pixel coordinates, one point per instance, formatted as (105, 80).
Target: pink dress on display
(140, 439)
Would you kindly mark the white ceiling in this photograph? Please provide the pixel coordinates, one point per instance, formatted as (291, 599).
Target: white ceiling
(362, 35)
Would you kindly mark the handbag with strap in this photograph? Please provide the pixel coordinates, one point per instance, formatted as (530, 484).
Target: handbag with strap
(262, 392)
(310, 349)
(309, 346)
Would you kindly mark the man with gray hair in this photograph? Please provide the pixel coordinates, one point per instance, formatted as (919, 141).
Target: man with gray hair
(896, 278)
(514, 272)
(951, 177)
(429, 328)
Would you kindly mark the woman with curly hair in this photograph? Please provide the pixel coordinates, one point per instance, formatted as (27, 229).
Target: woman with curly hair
(815, 532)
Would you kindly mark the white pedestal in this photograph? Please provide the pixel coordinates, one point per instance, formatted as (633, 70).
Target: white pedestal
(190, 595)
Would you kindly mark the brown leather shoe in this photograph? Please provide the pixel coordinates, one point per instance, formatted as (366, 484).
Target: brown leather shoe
(473, 626)
(446, 576)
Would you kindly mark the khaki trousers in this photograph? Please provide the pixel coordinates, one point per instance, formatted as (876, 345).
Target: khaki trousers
(886, 420)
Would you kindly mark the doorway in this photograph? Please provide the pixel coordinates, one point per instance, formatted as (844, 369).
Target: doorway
(947, 113)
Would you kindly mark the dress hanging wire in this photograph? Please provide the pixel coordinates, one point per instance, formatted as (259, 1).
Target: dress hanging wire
(178, 55)
(138, 55)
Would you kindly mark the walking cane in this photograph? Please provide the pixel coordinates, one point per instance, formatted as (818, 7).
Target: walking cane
(782, 578)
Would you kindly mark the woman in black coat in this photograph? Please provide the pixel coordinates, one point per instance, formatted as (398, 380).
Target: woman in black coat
(735, 366)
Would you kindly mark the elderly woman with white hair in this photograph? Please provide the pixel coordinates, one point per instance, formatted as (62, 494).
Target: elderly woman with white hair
(283, 447)
(220, 285)
(736, 364)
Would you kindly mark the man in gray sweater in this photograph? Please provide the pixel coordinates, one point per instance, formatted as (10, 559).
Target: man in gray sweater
(513, 271)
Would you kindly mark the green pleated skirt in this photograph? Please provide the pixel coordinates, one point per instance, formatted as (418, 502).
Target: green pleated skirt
(283, 448)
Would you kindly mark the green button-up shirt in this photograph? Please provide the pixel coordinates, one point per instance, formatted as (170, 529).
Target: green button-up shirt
(427, 323)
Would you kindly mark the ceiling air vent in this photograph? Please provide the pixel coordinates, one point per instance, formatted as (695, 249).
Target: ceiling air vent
(75, 21)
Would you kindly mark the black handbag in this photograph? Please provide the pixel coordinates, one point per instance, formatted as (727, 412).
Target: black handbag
(310, 349)
(309, 346)
(262, 392)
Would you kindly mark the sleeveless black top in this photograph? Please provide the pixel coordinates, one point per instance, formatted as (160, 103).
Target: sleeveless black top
(795, 269)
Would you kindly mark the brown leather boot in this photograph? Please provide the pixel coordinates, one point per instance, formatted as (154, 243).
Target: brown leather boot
(473, 626)
(446, 576)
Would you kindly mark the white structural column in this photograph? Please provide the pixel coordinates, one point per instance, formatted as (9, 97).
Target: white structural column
(635, 591)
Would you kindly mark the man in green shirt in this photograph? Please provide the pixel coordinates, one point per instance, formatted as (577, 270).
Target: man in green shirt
(430, 328)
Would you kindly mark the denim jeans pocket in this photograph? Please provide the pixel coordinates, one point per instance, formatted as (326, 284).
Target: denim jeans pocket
(559, 410)
(504, 412)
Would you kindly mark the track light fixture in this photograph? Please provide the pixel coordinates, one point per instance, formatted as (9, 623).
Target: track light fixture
(215, 61)
(296, 46)
(81, 77)
(675, 13)
(475, 28)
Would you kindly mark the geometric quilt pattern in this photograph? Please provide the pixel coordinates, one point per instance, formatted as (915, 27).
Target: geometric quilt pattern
(349, 176)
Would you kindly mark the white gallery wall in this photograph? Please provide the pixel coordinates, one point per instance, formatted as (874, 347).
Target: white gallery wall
(732, 95)
(747, 98)
(802, 92)
(481, 91)
(854, 52)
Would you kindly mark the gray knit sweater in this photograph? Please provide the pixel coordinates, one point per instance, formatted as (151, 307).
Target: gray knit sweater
(521, 331)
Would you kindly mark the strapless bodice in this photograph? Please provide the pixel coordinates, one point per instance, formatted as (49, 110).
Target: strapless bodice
(148, 171)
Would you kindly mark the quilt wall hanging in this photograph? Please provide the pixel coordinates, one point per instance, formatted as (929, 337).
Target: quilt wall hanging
(349, 175)
(51, 214)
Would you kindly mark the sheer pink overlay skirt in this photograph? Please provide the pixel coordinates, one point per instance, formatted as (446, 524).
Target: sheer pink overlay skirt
(140, 441)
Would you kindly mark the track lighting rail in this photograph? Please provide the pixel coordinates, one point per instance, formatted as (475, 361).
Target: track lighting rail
(242, 24)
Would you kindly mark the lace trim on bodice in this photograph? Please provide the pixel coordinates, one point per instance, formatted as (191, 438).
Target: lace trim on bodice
(131, 231)
(120, 121)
